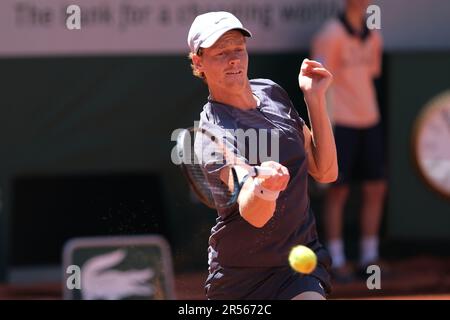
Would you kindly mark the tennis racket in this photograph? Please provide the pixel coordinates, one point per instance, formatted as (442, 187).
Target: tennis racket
(195, 148)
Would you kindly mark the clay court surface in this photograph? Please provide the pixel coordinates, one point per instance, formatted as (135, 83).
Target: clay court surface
(424, 278)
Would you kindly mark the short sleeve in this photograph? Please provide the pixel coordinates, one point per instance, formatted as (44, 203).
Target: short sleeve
(299, 122)
(288, 107)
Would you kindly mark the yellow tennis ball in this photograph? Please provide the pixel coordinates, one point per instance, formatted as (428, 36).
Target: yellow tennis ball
(302, 259)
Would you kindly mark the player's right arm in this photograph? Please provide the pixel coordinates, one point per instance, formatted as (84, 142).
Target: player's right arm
(253, 209)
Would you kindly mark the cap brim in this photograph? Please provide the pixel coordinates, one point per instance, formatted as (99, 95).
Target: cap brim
(215, 36)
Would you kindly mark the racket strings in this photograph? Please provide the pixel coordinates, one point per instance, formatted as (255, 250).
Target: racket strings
(204, 156)
(210, 187)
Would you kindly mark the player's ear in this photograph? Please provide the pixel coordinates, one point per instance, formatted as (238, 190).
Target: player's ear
(197, 62)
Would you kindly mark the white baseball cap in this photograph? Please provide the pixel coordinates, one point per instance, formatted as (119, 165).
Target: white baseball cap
(207, 28)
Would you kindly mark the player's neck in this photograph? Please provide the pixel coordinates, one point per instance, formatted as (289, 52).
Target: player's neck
(355, 18)
(244, 99)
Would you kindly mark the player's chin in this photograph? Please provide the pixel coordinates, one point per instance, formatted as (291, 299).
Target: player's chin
(235, 82)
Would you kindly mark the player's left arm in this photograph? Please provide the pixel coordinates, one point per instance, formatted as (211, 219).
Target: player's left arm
(320, 147)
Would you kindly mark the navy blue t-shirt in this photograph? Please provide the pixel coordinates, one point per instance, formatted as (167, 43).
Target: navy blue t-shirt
(234, 242)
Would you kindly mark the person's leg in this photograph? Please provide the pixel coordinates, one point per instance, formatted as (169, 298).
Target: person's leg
(305, 287)
(371, 214)
(337, 194)
(309, 295)
(373, 193)
(335, 200)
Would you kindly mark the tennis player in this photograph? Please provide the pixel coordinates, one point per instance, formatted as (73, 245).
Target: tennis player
(249, 245)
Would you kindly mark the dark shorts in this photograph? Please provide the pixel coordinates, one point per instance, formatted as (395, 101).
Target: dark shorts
(275, 283)
(360, 154)
(280, 283)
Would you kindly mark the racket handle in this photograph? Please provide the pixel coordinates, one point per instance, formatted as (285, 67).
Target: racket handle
(263, 172)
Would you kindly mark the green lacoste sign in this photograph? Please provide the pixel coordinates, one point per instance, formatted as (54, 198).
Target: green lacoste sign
(116, 268)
